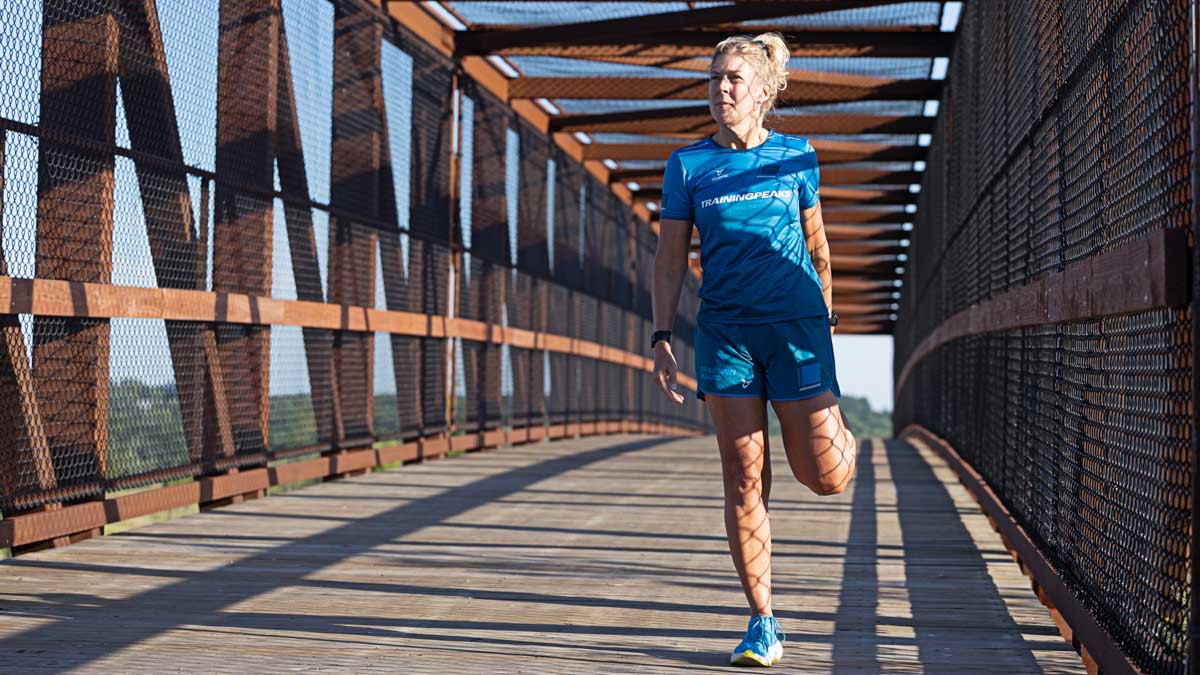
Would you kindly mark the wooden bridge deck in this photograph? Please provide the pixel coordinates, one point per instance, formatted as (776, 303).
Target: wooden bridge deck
(597, 555)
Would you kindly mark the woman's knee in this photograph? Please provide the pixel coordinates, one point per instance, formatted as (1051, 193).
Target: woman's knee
(833, 481)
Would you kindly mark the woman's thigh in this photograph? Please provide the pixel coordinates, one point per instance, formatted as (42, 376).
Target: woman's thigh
(740, 425)
(820, 449)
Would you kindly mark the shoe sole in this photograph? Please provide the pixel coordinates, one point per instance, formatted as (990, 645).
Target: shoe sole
(749, 658)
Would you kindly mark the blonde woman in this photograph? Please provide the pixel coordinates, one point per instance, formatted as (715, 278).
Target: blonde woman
(766, 317)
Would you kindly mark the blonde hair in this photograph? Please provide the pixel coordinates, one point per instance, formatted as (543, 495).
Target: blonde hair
(767, 53)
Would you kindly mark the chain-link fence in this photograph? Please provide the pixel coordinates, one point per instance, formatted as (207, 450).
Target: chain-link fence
(1060, 160)
(347, 239)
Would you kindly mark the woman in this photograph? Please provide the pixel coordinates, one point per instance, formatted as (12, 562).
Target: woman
(765, 321)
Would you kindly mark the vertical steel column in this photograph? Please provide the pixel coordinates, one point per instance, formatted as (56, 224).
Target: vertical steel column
(248, 61)
(355, 187)
(75, 230)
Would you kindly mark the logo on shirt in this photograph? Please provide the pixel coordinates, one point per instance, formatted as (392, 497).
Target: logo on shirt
(747, 196)
(720, 175)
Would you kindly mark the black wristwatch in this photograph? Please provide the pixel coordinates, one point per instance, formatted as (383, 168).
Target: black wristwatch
(832, 318)
(660, 336)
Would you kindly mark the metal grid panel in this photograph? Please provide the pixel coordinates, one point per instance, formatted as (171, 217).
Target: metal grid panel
(165, 198)
(1083, 429)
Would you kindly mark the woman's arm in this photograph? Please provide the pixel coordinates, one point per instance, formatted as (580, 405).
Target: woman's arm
(670, 266)
(818, 250)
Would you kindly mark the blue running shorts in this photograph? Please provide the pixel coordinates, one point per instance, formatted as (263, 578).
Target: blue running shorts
(786, 361)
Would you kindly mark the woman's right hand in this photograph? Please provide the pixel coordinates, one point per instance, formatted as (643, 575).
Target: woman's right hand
(665, 371)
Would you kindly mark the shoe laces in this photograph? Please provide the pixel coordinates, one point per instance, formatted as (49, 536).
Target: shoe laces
(764, 627)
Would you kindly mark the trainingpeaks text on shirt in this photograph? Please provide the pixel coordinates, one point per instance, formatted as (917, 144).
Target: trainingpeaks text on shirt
(747, 196)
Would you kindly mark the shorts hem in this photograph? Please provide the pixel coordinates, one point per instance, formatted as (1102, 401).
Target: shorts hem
(800, 398)
(701, 395)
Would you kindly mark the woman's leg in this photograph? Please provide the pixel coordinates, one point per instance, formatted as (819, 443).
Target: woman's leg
(741, 424)
(820, 448)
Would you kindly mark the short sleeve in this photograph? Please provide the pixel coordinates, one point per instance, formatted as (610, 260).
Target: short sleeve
(676, 198)
(809, 179)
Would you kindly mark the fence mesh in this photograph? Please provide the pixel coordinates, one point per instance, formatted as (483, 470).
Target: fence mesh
(1064, 134)
(286, 150)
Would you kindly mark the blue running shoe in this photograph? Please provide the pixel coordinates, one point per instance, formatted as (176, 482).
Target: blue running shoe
(763, 644)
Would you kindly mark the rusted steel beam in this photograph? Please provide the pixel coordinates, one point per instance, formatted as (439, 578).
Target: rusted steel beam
(698, 123)
(248, 61)
(827, 151)
(800, 90)
(489, 40)
(1147, 273)
(866, 247)
(75, 231)
(302, 244)
(834, 175)
(860, 232)
(839, 196)
(175, 247)
(841, 215)
(685, 44)
(356, 181)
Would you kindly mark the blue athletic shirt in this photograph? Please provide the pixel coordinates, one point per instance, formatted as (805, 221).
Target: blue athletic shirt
(747, 205)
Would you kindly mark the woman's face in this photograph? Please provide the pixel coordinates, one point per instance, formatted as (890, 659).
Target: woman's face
(735, 92)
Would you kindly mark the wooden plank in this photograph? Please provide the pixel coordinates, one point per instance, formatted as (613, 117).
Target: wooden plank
(1084, 627)
(75, 231)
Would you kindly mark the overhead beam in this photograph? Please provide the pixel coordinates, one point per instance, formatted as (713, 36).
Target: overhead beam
(697, 122)
(800, 90)
(688, 44)
(827, 151)
(858, 232)
(486, 41)
(840, 216)
(831, 176)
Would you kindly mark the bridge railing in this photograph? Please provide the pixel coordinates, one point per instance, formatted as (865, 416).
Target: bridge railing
(1045, 330)
(250, 231)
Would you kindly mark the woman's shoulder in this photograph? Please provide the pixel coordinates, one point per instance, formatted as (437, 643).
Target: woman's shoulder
(793, 143)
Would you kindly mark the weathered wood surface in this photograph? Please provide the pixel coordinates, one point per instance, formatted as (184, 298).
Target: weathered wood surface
(604, 554)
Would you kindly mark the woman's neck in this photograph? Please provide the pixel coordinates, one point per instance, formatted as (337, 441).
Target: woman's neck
(747, 134)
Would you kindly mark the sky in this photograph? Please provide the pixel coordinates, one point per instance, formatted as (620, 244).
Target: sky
(864, 367)
(190, 35)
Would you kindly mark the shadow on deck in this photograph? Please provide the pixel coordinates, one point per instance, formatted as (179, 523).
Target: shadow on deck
(604, 554)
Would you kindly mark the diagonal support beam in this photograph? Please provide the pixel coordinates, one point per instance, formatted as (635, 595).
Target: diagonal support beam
(175, 247)
(25, 464)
